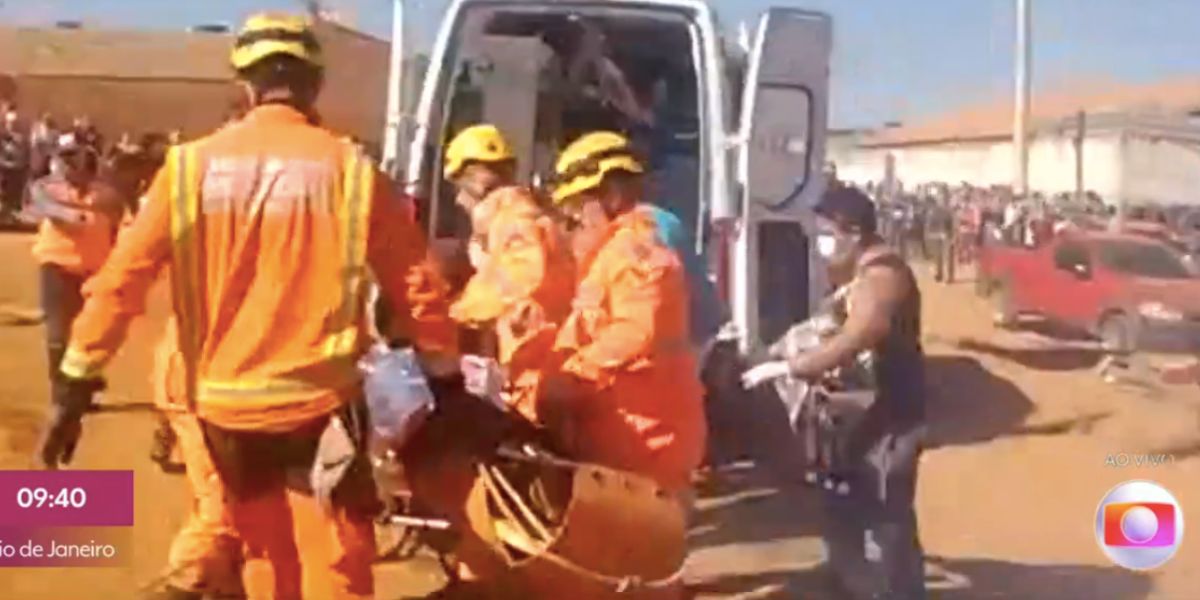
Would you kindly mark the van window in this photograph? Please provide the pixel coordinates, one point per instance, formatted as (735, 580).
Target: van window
(547, 76)
(1069, 255)
(783, 278)
(1142, 259)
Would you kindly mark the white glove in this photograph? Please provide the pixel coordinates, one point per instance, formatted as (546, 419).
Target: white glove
(764, 373)
(482, 377)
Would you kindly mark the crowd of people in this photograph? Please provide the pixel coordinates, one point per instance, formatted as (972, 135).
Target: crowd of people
(30, 151)
(948, 225)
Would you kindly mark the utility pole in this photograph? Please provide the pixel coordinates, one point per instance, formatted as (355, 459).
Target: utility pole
(1080, 139)
(394, 134)
(1021, 106)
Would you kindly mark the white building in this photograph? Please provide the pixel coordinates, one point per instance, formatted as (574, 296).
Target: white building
(1140, 145)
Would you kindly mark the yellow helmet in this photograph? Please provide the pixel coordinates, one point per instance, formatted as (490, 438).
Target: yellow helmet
(271, 34)
(585, 163)
(478, 143)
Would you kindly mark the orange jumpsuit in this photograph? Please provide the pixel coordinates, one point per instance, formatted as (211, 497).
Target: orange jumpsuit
(272, 227)
(525, 286)
(72, 243)
(627, 336)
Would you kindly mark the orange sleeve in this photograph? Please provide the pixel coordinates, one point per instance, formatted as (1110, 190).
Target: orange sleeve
(515, 269)
(414, 290)
(117, 293)
(637, 282)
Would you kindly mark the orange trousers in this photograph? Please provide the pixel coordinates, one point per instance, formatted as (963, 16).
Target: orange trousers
(292, 548)
(306, 552)
(206, 554)
(301, 550)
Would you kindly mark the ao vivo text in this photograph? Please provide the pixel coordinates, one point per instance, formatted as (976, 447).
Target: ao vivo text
(1123, 459)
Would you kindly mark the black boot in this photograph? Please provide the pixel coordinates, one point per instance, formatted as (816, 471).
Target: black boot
(163, 445)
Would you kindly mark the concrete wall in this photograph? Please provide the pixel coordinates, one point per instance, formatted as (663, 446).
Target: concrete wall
(140, 82)
(1164, 171)
(354, 99)
(1115, 166)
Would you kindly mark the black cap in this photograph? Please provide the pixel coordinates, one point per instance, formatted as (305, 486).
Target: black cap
(849, 207)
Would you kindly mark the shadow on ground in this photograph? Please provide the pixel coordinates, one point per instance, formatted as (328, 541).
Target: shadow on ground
(762, 513)
(1050, 358)
(1180, 452)
(968, 404)
(117, 408)
(948, 579)
(1183, 449)
(970, 579)
(14, 316)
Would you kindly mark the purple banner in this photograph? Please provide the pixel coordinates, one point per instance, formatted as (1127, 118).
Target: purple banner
(31, 499)
(66, 547)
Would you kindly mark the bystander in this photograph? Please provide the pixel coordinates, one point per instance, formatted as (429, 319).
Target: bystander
(43, 138)
(14, 165)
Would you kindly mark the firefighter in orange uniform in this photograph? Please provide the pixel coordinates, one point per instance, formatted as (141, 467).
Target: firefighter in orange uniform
(524, 277)
(78, 225)
(271, 228)
(627, 394)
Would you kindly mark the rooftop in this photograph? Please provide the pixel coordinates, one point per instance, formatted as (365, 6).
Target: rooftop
(1170, 98)
(130, 54)
(115, 54)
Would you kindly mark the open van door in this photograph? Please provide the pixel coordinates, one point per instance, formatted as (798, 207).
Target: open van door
(781, 149)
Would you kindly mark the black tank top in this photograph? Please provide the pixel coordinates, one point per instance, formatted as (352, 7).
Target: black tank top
(899, 362)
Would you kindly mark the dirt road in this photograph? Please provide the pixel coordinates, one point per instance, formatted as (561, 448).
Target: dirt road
(1021, 430)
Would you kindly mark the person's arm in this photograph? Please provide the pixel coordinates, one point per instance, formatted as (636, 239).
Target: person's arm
(117, 294)
(41, 204)
(873, 301)
(615, 88)
(413, 289)
(638, 293)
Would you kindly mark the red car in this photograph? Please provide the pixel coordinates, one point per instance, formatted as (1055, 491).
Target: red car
(1130, 291)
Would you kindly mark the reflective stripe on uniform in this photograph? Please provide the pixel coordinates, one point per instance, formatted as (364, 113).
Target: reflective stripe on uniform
(353, 213)
(185, 258)
(78, 365)
(210, 390)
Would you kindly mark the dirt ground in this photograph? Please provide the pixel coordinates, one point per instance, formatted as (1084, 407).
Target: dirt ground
(1021, 430)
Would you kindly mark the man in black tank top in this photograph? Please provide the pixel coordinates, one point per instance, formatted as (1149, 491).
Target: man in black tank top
(875, 518)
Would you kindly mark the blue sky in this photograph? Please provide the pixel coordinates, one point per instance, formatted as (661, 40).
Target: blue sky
(894, 59)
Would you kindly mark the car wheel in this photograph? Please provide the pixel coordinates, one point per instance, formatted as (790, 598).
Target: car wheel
(1005, 315)
(1116, 334)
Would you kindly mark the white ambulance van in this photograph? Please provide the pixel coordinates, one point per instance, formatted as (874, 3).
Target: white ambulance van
(734, 133)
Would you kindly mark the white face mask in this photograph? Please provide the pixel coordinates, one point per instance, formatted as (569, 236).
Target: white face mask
(828, 245)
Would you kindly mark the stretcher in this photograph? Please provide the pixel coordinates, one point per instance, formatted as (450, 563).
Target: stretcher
(480, 486)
